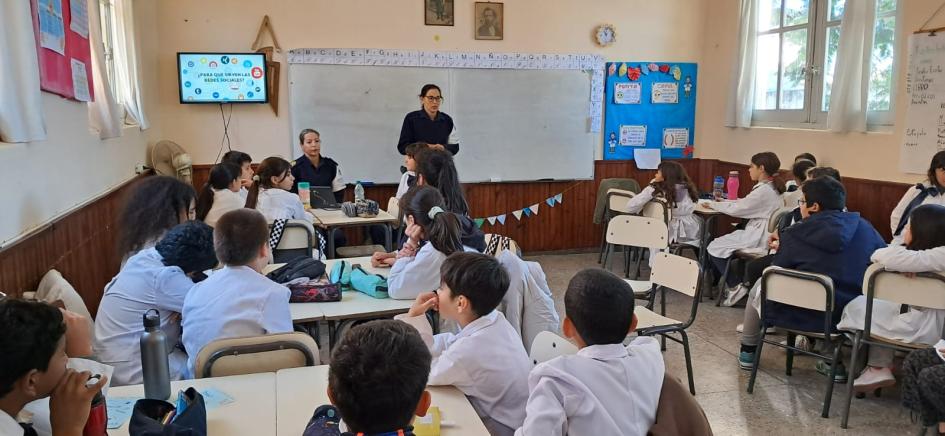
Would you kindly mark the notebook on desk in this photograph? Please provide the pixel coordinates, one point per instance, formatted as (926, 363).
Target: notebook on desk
(322, 197)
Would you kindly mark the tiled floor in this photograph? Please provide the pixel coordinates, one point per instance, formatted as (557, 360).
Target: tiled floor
(781, 405)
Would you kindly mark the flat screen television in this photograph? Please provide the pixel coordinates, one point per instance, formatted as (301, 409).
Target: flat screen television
(222, 77)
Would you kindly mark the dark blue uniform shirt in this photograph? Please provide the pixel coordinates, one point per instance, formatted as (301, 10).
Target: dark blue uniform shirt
(323, 175)
(418, 127)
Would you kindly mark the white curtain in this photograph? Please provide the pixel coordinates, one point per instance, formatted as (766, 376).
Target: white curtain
(126, 64)
(849, 93)
(742, 96)
(21, 109)
(104, 112)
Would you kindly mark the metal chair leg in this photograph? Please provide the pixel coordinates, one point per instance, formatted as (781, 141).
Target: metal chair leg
(685, 341)
(834, 365)
(854, 352)
(723, 281)
(754, 365)
(789, 363)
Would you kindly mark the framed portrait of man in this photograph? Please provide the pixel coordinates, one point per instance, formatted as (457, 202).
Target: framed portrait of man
(489, 20)
(438, 12)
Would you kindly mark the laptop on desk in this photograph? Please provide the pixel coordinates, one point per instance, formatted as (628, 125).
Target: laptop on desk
(324, 198)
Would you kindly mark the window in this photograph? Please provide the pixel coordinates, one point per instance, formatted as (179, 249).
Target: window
(796, 54)
(109, 24)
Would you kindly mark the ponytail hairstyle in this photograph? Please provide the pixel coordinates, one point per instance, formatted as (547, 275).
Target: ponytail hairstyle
(270, 167)
(222, 175)
(674, 175)
(442, 228)
(772, 165)
(927, 224)
(438, 171)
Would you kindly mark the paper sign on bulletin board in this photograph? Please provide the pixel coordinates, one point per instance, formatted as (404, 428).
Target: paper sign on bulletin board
(62, 45)
(649, 105)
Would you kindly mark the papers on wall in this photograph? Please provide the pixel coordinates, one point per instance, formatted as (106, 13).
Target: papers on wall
(924, 134)
(627, 92)
(675, 138)
(80, 81)
(634, 136)
(665, 92)
(79, 21)
(52, 33)
(647, 158)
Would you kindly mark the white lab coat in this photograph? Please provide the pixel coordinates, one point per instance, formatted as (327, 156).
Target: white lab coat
(487, 362)
(224, 200)
(278, 203)
(757, 207)
(528, 304)
(684, 226)
(143, 283)
(602, 390)
(900, 209)
(404, 186)
(917, 326)
(234, 301)
(412, 276)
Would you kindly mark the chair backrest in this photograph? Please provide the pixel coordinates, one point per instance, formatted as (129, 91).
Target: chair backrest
(496, 243)
(55, 287)
(548, 345)
(297, 240)
(254, 354)
(924, 290)
(777, 216)
(678, 273)
(617, 199)
(637, 231)
(393, 208)
(656, 208)
(790, 198)
(798, 288)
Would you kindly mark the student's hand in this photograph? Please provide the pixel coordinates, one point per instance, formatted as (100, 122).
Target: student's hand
(378, 258)
(437, 146)
(774, 241)
(71, 401)
(389, 262)
(414, 232)
(246, 183)
(408, 250)
(424, 302)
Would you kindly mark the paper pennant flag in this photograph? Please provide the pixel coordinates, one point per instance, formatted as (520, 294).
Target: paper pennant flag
(479, 222)
(558, 197)
(534, 208)
(501, 219)
(491, 220)
(517, 214)
(644, 69)
(550, 201)
(527, 211)
(677, 73)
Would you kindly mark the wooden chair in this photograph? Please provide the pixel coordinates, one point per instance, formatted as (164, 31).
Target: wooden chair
(548, 345)
(254, 354)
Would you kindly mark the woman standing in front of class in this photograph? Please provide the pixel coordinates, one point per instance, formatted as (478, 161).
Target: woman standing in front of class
(428, 124)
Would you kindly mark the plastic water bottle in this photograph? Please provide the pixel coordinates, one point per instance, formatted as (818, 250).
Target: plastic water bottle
(718, 186)
(732, 185)
(305, 194)
(157, 379)
(358, 192)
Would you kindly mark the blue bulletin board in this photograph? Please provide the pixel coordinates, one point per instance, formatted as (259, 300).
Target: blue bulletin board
(649, 105)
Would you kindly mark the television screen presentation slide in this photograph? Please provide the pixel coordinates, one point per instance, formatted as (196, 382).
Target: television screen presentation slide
(222, 77)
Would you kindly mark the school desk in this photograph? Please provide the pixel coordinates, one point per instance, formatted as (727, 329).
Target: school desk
(300, 390)
(332, 220)
(253, 411)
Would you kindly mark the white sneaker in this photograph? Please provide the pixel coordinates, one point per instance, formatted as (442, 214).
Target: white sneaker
(733, 295)
(872, 379)
(801, 342)
(741, 329)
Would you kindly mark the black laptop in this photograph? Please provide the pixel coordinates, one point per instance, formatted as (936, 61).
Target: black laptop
(324, 198)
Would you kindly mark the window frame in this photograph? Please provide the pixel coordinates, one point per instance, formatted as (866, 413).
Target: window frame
(779, 117)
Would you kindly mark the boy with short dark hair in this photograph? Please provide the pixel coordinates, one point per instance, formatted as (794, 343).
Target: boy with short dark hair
(384, 353)
(607, 388)
(486, 359)
(32, 337)
(237, 300)
(245, 163)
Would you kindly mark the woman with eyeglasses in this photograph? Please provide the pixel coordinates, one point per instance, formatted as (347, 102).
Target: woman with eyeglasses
(428, 124)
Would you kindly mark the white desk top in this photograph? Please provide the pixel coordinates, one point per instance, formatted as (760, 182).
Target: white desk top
(700, 209)
(301, 390)
(252, 413)
(337, 218)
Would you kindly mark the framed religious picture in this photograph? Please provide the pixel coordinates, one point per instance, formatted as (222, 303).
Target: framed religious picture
(488, 20)
(438, 12)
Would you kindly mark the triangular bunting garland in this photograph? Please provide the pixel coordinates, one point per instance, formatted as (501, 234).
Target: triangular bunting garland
(479, 222)
(527, 211)
(491, 220)
(501, 219)
(534, 208)
(558, 197)
(518, 214)
(550, 201)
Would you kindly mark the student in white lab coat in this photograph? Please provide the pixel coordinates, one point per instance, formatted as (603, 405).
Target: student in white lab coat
(486, 359)
(764, 198)
(220, 194)
(236, 300)
(270, 192)
(433, 234)
(245, 163)
(931, 191)
(924, 252)
(154, 205)
(673, 185)
(156, 278)
(607, 388)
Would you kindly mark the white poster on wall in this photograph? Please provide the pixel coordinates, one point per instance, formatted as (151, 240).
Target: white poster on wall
(633, 136)
(627, 92)
(675, 138)
(924, 133)
(665, 93)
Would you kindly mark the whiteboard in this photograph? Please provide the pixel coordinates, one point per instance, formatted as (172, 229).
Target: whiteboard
(925, 116)
(514, 125)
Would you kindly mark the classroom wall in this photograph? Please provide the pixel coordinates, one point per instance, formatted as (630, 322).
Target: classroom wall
(665, 30)
(870, 155)
(45, 179)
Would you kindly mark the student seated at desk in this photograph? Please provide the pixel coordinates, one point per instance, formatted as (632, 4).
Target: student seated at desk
(152, 207)
(155, 278)
(315, 169)
(236, 300)
(672, 185)
(765, 198)
(792, 190)
(220, 194)
(607, 388)
(378, 377)
(270, 192)
(931, 191)
(409, 178)
(245, 163)
(32, 337)
(433, 234)
(793, 185)
(486, 359)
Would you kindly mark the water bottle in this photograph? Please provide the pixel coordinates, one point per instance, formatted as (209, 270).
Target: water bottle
(358, 192)
(718, 185)
(157, 379)
(732, 185)
(305, 194)
(98, 417)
